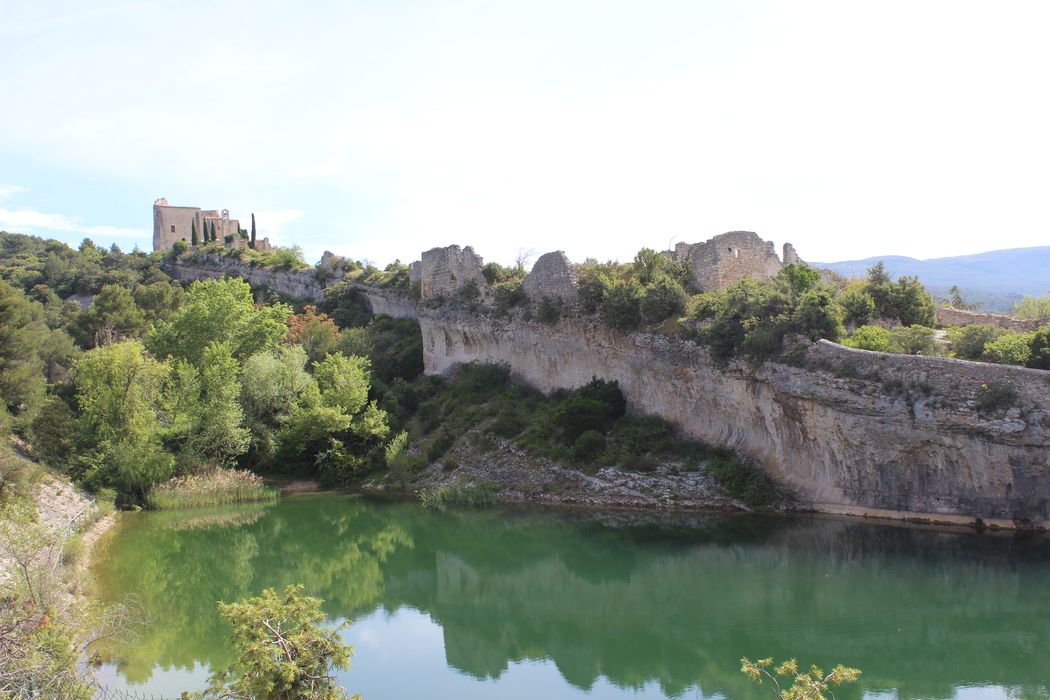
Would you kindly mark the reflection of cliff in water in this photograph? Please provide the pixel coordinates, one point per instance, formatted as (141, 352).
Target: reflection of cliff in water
(636, 598)
(921, 611)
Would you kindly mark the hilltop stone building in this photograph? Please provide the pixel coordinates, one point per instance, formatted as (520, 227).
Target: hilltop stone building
(171, 224)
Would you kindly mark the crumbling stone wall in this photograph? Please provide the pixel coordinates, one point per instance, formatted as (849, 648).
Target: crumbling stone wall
(551, 277)
(444, 271)
(959, 317)
(730, 257)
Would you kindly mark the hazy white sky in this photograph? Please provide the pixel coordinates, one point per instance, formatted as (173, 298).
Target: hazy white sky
(377, 129)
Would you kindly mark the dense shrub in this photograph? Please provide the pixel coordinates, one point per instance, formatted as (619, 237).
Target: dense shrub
(1009, 349)
(507, 295)
(549, 310)
(588, 445)
(590, 291)
(968, 342)
(754, 317)
(620, 307)
(869, 338)
(468, 292)
(997, 396)
(744, 481)
(913, 340)
(662, 299)
(577, 415)
(1039, 348)
(608, 392)
(442, 443)
(857, 305)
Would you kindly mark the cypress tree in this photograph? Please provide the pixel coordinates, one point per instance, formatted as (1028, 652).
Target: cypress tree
(213, 231)
(193, 233)
(251, 243)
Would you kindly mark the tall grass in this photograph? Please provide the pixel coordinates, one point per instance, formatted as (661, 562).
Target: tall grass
(216, 487)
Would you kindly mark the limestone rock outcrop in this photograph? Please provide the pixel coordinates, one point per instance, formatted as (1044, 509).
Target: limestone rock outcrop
(298, 284)
(852, 431)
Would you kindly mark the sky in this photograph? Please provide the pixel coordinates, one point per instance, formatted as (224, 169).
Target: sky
(379, 129)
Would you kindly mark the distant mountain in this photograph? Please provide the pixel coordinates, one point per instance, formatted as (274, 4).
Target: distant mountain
(998, 278)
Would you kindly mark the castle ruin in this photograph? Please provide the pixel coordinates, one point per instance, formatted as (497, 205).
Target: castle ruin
(172, 224)
(730, 257)
(716, 264)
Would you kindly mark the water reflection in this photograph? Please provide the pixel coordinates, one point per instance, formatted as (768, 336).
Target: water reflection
(620, 599)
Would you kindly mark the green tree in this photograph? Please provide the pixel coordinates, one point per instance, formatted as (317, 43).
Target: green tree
(118, 389)
(344, 382)
(22, 333)
(113, 315)
(912, 304)
(968, 341)
(273, 383)
(956, 301)
(648, 265)
(1039, 348)
(220, 436)
(813, 684)
(816, 315)
(280, 650)
(219, 311)
(54, 430)
(857, 305)
(194, 241)
(1033, 308)
(251, 243)
(159, 300)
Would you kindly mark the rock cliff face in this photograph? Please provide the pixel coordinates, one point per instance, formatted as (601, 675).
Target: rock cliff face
(851, 431)
(298, 284)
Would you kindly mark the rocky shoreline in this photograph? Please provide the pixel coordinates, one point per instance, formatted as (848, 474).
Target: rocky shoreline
(506, 473)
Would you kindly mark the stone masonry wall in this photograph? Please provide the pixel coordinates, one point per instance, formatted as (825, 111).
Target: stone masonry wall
(726, 259)
(444, 271)
(552, 277)
(164, 217)
(851, 431)
(947, 317)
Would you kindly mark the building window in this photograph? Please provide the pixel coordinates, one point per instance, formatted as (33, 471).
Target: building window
(173, 228)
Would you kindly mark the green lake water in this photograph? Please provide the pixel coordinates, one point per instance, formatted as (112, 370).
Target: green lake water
(557, 603)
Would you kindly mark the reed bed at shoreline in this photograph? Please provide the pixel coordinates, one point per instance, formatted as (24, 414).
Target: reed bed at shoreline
(215, 487)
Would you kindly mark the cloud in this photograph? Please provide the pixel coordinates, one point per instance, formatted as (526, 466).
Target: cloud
(8, 190)
(28, 220)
